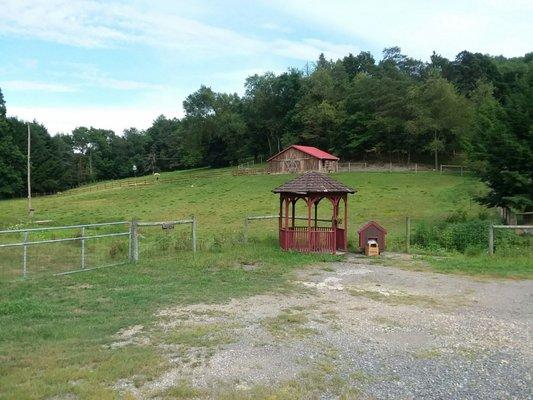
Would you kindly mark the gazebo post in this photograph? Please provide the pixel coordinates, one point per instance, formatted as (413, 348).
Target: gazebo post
(287, 199)
(316, 213)
(335, 200)
(309, 234)
(293, 201)
(345, 198)
(280, 212)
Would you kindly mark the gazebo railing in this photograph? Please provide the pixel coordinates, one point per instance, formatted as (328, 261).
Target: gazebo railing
(301, 238)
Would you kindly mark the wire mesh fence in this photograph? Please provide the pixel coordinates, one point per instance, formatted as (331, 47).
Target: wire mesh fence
(164, 240)
(62, 249)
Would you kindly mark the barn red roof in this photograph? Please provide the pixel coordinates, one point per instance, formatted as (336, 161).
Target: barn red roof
(312, 151)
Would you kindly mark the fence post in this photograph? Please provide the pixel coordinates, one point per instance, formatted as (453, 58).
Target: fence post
(82, 247)
(134, 237)
(349, 166)
(491, 240)
(193, 234)
(441, 168)
(416, 168)
(245, 232)
(25, 256)
(407, 234)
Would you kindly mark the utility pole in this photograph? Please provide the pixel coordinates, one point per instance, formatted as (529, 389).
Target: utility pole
(30, 209)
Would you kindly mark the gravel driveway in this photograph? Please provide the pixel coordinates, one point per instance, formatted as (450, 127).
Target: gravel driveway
(352, 330)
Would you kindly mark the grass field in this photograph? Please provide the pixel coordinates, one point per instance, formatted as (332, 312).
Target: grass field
(56, 333)
(221, 201)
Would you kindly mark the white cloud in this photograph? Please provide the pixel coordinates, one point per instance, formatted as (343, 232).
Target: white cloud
(92, 24)
(65, 119)
(36, 86)
(309, 49)
(420, 26)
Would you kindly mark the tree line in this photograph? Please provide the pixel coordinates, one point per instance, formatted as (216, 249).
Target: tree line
(474, 109)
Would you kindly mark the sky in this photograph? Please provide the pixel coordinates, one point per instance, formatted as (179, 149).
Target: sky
(119, 64)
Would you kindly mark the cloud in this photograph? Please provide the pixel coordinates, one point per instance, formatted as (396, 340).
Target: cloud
(36, 86)
(65, 119)
(420, 26)
(93, 24)
(309, 49)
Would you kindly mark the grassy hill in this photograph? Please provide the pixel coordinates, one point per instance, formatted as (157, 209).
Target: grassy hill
(220, 200)
(57, 332)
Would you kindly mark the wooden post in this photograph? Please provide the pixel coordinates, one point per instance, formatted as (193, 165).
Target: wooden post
(336, 201)
(293, 203)
(309, 235)
(287, 213)
(440, 168)
(316, 215)
(193, 233)
(30, 208)
(349, 166)
(416, 168)
(345, 222)
(134, 235)
(491, 240)
(407, 235)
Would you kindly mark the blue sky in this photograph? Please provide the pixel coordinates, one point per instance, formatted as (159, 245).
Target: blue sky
(117, 64)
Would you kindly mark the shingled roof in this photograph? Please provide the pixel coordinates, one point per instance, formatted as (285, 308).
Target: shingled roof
(313, 182)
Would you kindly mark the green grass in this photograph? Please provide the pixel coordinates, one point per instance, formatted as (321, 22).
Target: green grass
(221, 202)
(513, 266)
(55, 332)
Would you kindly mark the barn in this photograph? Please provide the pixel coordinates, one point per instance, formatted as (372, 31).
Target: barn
(298, 159)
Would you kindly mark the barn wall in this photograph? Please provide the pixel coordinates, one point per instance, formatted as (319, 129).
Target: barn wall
(296, 161)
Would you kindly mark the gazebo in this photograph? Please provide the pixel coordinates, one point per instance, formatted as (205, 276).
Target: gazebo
(315, 235)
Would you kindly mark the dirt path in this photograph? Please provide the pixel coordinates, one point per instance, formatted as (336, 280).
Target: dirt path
(352, 330)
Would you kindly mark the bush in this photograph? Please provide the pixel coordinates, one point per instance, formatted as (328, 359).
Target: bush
(456, 233)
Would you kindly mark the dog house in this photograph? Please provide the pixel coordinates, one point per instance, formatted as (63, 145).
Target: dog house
(372, 231)
(313, 234)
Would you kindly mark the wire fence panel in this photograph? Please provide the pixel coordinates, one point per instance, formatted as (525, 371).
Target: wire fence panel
(166, 239)
(56, 250)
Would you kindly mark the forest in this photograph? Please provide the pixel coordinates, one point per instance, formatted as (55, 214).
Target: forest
(473, 110)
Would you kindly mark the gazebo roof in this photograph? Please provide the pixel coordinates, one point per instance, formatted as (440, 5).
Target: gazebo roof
(313, 182)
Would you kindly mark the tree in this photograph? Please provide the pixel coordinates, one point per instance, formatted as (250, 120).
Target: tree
(2, 106)
(11, 158)
(440, 114)
(501, 155)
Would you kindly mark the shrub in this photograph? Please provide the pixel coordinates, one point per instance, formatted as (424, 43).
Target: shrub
(456, 233)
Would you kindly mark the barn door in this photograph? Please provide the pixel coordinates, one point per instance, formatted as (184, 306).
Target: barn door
(292, 165)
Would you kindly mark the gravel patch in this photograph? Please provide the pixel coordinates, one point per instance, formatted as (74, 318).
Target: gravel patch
(356, 330)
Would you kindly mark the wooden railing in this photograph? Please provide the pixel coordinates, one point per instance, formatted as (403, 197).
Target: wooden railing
(319, 239)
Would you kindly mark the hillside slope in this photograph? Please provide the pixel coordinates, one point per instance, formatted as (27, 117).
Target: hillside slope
(220, 200)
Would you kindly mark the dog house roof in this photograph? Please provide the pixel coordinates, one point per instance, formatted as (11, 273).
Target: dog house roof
(374, 224)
